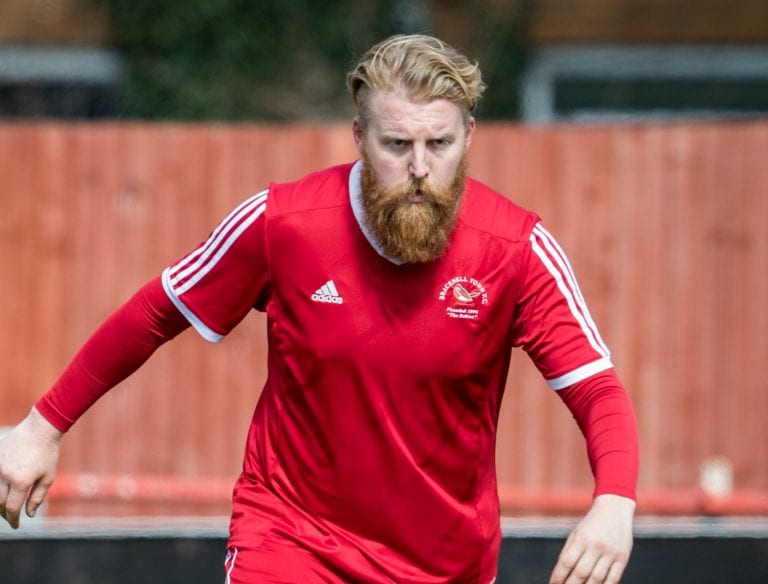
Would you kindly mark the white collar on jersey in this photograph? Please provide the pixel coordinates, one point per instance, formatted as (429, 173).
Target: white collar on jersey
(356, 200)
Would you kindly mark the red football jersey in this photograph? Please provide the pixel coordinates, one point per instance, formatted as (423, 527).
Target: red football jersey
(372, 446)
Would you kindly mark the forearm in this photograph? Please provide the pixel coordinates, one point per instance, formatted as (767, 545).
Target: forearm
(604, 413)
(115, 350)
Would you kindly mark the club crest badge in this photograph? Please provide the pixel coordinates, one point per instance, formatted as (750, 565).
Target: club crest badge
(463, 297)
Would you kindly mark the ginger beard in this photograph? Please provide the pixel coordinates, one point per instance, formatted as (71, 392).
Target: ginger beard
(411, 232)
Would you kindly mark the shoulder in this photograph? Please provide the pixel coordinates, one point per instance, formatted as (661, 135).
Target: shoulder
(317, 190)
(487, 211)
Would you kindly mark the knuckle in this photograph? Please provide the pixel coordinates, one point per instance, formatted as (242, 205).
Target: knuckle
(19, 482)
(617, 553)
(601, 547)
(570, 555)
(581, 572)
(567, 562)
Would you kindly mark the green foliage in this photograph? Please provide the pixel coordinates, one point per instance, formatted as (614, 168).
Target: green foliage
(500, 47)
(241, 59)
(284, 59)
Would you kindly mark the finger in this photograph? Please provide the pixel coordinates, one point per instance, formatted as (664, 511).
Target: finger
(36, 497)
(615, 573)
(582, 571)
(4, 488)
(600, 570)
(13, 504)
(566, 562)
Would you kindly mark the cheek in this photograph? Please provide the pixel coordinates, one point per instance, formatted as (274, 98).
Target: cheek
(390, 171)
(445, 169)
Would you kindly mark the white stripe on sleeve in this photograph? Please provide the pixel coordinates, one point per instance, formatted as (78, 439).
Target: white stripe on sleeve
(557, 265)
(180, 277)
(198, 263)
(206, 332)
(559, 255)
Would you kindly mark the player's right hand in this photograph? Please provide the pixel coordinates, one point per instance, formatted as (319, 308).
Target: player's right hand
(29, 454)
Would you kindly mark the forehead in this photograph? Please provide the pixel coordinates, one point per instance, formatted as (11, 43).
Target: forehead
(392, 112)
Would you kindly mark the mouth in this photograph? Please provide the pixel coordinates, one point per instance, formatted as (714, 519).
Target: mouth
(416, 197)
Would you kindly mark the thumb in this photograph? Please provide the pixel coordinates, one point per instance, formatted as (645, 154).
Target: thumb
(37, 496)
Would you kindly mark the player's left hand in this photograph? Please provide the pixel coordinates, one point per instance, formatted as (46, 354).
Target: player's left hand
(597, 550)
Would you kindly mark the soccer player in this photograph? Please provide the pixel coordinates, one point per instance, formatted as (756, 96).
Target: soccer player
(395, 288)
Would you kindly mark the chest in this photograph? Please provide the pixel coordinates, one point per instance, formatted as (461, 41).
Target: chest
(336, 301)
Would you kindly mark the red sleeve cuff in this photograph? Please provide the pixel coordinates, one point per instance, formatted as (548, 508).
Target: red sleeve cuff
(50, 413)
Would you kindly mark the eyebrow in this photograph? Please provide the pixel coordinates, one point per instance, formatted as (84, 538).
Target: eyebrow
(396, 135)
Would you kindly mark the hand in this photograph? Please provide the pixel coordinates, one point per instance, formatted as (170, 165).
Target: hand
(29, 454)
(597, 551)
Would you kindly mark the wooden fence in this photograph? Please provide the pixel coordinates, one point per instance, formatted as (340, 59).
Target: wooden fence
(666, 226)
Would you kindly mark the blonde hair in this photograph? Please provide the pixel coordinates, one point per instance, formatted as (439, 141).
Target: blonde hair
(421, 67)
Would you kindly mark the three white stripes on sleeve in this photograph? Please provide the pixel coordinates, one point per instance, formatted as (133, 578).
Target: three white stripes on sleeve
(552, 256)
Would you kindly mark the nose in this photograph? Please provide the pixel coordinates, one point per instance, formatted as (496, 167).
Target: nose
(418, 166)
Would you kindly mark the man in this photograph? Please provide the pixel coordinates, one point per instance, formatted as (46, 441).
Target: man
(395, 289)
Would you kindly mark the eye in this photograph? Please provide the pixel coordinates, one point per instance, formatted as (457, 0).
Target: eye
(439, 143)
(396, 145)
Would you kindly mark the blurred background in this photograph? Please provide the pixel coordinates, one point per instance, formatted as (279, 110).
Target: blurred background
(285, 60)
(638, 130)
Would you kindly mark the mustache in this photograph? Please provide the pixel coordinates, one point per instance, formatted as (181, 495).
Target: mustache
(401, 193)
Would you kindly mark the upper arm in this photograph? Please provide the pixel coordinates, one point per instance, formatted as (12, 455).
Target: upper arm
(552, 321)
(222, 279)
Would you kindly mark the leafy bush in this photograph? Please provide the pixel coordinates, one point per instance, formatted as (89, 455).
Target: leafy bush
(283, 59)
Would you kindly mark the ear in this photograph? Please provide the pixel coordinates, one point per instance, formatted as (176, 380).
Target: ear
(470, 131)
(358, 134)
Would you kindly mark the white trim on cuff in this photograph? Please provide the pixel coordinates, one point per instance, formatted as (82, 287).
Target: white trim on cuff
(207, 333)
(580, 374)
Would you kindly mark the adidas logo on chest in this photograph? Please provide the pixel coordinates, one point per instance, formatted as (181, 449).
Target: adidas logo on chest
(327, 293)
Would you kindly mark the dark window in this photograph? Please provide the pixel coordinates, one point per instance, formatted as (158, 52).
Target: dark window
(575, 94)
